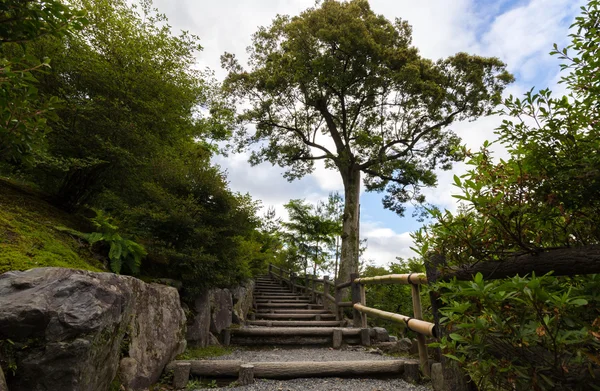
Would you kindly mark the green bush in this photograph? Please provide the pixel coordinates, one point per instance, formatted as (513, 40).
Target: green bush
(524, 333)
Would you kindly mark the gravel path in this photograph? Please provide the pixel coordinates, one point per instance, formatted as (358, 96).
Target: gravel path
(328, 384)
(350, 353)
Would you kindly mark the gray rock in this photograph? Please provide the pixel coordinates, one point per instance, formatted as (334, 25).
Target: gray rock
(198, 326)
(414, 348)
(405, 344)
(156, 333)
(437, 377)
(242, 301)
(170, 282)
(381, 334)
(70, 328)
(221, 307)
(212, 340)
(393, 338)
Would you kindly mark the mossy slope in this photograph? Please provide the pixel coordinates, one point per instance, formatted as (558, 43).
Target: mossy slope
(28, 237)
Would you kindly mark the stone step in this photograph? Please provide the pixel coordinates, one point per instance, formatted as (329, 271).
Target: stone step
(306, 306)
(296, 311)
(280, 295)
(264, 316)
(282, 301)
(295, 323)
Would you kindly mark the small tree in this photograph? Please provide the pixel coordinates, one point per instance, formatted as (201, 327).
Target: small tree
(341, 84)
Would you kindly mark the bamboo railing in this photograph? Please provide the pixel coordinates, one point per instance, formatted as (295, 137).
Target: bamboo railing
(359, 306)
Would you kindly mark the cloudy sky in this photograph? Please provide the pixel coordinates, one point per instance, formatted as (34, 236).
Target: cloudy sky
(520, 32)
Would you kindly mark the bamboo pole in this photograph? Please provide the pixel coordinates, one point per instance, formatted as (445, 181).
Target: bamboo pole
(413, 278)
(293, 282)
(418, 314)
(419, 326)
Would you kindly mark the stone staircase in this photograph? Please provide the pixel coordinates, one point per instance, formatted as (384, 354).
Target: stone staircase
(284, 317)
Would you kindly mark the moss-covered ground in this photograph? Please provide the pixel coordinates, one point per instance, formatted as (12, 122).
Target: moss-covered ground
(28, 234)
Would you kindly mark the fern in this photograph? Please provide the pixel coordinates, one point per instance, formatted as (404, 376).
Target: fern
(122, 251)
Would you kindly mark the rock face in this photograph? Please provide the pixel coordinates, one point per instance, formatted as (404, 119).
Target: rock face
(221, 310)
(72, 329)
(242, 301)
(198, 326)
(215, 310)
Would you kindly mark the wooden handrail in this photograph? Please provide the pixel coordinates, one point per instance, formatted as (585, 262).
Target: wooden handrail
(412, 278)
(416, 325)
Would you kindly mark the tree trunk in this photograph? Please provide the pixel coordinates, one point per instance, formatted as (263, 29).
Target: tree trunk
(337, 256)
(350, 231)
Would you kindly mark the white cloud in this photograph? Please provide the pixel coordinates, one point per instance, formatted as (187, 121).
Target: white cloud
(384, 245)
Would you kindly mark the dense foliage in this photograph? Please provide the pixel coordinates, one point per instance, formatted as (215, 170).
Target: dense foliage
(530, 332)
(23, 113)
(132, 132)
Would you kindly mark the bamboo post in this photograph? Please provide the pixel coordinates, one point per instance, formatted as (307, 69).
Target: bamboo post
(337, 338)
(293, 281)
(418, 314)
(358, 296)
(271, 270)
(325, 291)
(365, 337)
(306, 284)
(313, 284)
(338, 299)
(246, 374)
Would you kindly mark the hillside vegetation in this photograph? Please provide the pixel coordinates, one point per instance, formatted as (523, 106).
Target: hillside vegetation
(28, 234)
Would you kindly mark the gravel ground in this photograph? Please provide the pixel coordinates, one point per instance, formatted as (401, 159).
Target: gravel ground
(350, 353)
(328, 384)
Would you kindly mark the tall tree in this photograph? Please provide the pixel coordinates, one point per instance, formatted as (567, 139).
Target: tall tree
(342, 84)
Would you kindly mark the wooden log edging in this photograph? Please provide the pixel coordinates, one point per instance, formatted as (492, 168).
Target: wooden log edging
(293, 369)
(291, 331)
(420, 326)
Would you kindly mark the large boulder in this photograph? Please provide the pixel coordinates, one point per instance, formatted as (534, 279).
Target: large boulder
(70, 330)
(242, 301)
(221, 309)
(156, 334)
(198, 327)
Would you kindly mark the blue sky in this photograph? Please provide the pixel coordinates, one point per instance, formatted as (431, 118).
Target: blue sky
(520, 32)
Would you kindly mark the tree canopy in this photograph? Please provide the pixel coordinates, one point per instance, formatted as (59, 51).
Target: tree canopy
(131, 136)
(341, 84)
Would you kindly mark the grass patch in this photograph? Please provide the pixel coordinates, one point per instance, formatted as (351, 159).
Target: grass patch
(199, 353)
(29, 239)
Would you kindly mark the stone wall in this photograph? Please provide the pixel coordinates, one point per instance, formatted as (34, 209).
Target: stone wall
(215, 310)
(73, 330)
